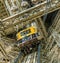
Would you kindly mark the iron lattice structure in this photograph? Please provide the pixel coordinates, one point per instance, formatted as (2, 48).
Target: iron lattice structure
(14, 22)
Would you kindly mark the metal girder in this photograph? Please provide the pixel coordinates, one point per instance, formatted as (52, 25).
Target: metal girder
(11, 20)
(56, 23)
(53, 46)
(56, 5)
(3, 51)
(55, 27)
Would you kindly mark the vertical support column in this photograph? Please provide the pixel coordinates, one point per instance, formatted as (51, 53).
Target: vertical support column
(39, 48)
(19, 3)
(8, 7)
(43, 27)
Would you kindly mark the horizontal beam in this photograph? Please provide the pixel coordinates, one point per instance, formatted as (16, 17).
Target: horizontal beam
(40, 13)
(25, 11)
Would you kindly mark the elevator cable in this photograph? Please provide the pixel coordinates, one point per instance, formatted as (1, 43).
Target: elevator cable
(19, 56)
(39, 50)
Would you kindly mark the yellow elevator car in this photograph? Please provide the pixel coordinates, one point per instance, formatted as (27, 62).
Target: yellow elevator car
(27, 34)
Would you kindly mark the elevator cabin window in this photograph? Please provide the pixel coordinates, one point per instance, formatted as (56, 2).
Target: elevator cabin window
(25, 32)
